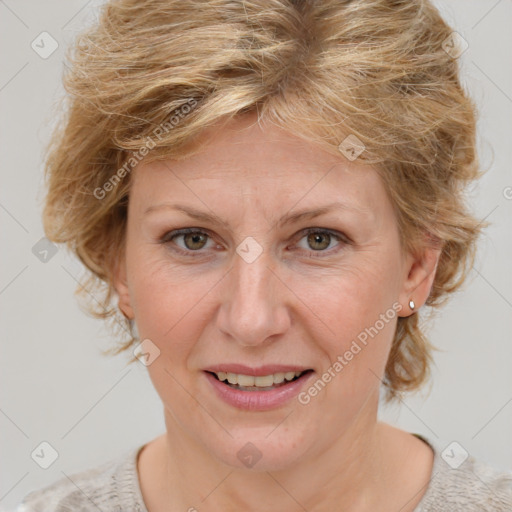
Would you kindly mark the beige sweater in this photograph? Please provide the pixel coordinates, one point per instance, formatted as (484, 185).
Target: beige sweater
(114, 487)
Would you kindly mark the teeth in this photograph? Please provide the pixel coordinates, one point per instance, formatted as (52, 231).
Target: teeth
(278, 378)
(245, 380)
(262, 381)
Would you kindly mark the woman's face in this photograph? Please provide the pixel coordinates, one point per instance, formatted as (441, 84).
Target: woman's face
(253, 292)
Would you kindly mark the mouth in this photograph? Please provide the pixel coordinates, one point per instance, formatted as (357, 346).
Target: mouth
(252, 383)
(257, 388)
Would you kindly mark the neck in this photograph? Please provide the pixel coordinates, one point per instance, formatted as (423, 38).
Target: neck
(350, 474)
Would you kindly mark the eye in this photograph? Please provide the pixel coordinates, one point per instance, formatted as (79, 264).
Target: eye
(193, 240)
(318, 240)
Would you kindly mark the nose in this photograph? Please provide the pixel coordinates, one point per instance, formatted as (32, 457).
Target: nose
(254, 309)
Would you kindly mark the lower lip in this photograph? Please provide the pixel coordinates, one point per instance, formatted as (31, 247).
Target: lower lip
(258, 400)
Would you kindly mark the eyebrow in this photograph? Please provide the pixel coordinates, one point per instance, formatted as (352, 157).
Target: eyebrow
(286, 219)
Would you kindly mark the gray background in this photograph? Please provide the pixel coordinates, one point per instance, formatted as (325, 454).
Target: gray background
(55, 385)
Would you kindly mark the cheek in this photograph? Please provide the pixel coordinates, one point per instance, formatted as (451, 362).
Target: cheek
(354, 296)
(358, 310)
(357, 313)
(170, 310)
(169, 300)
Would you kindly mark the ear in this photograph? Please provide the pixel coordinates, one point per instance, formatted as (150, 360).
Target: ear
(420, 271)
(121, 286)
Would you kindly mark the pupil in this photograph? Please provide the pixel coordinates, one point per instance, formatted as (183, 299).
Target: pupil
(196, 237)
(316, 238)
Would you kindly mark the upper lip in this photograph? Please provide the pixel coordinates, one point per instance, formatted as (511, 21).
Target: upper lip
(268, 369)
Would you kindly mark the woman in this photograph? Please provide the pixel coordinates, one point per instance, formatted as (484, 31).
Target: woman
(271, 191)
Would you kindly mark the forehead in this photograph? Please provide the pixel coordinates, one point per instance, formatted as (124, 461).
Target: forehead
(245, 162)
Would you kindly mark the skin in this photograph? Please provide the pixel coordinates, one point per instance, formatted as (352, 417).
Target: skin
(300, 302)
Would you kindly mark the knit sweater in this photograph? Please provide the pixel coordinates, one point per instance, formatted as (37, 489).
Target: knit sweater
(114, 487)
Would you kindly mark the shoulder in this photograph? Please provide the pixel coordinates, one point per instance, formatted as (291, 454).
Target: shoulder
(111, 486)
(461, 482)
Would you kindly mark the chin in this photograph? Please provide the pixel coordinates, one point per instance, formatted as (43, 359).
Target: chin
(261, 449)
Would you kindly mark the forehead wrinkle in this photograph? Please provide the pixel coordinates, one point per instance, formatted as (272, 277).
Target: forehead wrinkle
(285, 220)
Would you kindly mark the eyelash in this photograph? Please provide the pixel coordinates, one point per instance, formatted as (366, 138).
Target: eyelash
(171, 235)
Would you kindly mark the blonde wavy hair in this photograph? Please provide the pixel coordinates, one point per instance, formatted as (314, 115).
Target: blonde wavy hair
(149, 75)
